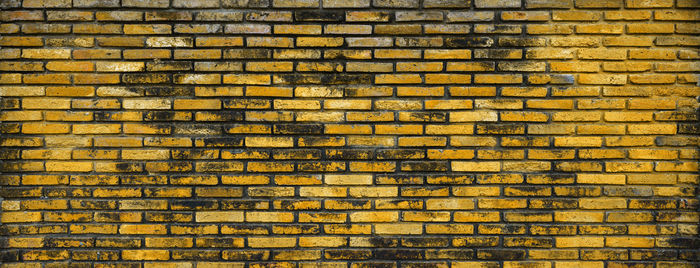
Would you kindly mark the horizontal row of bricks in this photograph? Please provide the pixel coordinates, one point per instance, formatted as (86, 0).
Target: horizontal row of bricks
(342, 29)
(349, 4)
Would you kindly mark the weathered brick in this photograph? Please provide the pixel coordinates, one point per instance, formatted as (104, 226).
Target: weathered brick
(497, 3)
(205, 133)
(648, 4)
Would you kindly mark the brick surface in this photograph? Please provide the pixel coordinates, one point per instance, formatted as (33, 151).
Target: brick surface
(349, 133)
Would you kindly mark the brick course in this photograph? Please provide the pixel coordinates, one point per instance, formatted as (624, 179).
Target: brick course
(349, 133)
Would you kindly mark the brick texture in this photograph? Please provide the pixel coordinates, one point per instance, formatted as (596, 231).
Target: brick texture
(349, 133)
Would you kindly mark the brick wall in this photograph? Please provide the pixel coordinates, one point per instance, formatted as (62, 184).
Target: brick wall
(349, 133)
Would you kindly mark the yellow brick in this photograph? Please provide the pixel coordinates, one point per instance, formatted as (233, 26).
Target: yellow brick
(424, 141)
(369, 67)
(421, 216)
(18, 217)
(323, 241)
(297, 29)
(449, 229)
(476, 216)
(461, 141)
(41, 53)
(602, 203)
(320, 41)
(219, 216)
(347, 104)
(629, 242)
(523, 117)
(259, 91)
(579, 264)
(398, 228)
(656, 129)
(578, 216)
(348, 129)
(253, 216)
(576, 116)
(297, 104)
(483, 166)
(146, 154)
(474, 264)
(279, 66)
(387, 191)
(578, 141)
(69, 166)
(473, 116)
(498, 79)
(45, 128)
(97, 129)
(602, 79)
(247, 79)
(266, 41)
(449, 204)
(323, 191)
(269, 142)
(142, 229)
(447, 54)
(345, 28)
(579, 241)
(374, 216)
(320, 116)
(26, 242)
(398, 79)
(167, 242)
(501, 203)
(245, 179)
(147, 29)
(272, 242)
(601, 179)
(447, 79)
(146, 254)
(355, 179)
(200, 104)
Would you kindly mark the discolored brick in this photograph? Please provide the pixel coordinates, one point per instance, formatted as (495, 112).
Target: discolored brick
(339, 133)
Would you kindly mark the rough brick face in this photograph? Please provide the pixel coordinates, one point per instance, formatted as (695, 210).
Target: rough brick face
(349, 133)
